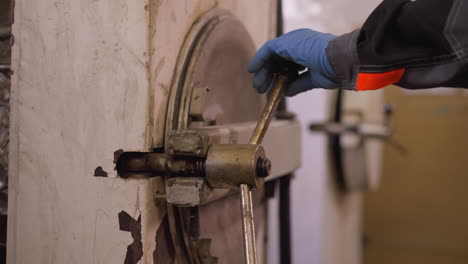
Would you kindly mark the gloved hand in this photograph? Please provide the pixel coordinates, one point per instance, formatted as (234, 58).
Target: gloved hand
(304, 47)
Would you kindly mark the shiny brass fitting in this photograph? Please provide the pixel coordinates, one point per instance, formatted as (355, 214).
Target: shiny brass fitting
(228, 166)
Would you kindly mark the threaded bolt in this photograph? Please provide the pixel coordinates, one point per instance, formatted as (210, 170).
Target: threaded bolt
(200, 168)
(263, 167)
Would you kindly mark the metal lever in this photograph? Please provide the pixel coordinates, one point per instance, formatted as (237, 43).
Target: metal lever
(248, 227)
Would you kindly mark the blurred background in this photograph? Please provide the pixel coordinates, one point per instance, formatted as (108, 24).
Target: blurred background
(414, 207)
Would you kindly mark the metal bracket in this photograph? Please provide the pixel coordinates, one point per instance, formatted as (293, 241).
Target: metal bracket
(188, 143)
(364, 130)
(187, 191)
(355, 133)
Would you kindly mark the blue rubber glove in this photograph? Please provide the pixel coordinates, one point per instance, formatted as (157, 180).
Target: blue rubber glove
(304, 47)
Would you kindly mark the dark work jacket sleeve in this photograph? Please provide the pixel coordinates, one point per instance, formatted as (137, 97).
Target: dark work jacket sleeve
(414, 44)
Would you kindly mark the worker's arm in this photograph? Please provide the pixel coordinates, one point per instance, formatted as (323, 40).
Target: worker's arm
(414, 44)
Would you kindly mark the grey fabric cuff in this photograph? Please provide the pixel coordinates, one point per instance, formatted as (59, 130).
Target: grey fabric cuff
(343, 58)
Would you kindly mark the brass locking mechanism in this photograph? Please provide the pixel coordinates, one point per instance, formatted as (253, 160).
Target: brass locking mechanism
(229, 166)
(218, 166)
(196, 169)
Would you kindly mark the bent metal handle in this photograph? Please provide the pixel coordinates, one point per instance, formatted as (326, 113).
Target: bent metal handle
(273, 101)
(248, 226)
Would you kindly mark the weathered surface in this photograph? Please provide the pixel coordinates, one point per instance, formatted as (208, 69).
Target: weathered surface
(5, 57)
(164, 252)
(79, 93)
(135, 249)
(92, 77)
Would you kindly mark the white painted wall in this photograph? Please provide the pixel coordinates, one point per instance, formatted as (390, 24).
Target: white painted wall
(91, 77)
(325, 224)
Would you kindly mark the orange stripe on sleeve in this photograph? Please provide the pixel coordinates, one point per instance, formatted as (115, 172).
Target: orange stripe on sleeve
(374, 81)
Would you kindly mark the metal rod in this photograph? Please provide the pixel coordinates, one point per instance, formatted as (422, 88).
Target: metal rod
(248, 226)
(5, 68)
(267, 114)
(5, 32)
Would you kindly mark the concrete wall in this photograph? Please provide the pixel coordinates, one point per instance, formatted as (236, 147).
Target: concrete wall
(91, 79)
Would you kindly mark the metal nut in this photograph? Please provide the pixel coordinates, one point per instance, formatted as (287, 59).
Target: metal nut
(228, 166)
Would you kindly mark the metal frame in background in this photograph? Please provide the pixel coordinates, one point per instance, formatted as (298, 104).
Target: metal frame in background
(284, 183)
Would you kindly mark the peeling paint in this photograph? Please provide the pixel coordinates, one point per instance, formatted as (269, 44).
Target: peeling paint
(117, 154)
(164, 251)
(99, 172)
(129, 224)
